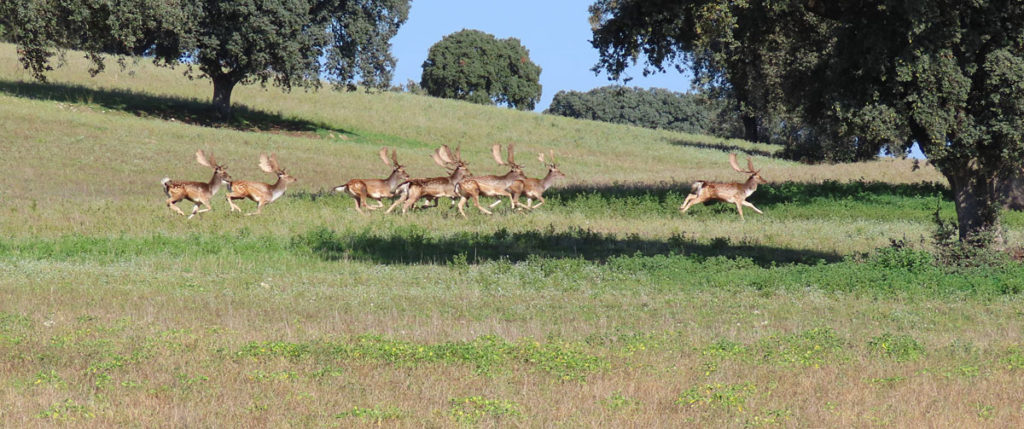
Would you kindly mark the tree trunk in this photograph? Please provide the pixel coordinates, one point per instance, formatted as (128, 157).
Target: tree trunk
(977, 204)
(222, 87)
(750, 128)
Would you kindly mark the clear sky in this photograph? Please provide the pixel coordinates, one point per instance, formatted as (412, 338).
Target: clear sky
(556, 32)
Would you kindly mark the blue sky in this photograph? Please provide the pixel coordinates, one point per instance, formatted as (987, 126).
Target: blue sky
(556, 32)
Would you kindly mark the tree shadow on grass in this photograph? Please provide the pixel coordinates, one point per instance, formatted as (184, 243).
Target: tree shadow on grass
(415, 247)
(770, 194)
(725, 147)
(185, 110)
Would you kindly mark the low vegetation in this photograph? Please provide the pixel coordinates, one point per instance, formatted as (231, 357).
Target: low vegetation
(603, 307)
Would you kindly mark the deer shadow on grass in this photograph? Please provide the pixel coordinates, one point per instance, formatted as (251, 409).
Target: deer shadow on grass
(186, 110)
(416, 247)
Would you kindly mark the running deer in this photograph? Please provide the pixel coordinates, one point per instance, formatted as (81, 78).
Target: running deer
(491, 186)
(197, 192)
(363, 189)
(735, 193)
(534, 188)
(436, 187)
(261, 193)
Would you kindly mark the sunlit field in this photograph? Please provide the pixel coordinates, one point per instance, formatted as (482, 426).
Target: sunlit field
(604, 307)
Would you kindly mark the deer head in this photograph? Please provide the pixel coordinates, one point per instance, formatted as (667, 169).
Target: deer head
(396, 168)
(552, 166)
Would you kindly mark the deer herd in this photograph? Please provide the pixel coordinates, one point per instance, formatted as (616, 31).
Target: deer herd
(459, 184)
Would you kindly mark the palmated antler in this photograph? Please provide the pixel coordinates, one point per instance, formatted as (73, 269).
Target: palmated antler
(384, 156)
(394, 158)
(496, 153)
(206, 160)
(269, 164)
(736, 166)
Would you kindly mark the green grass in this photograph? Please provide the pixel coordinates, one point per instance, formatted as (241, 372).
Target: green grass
(605, 307)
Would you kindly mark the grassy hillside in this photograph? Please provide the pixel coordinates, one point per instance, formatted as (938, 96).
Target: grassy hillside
(605, 307)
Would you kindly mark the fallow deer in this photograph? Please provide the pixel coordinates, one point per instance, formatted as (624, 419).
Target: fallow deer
(735, 193)
(363, 189)
(491, 186)
(196, 192)
(261, 193)
(534, 188)
(433, 188)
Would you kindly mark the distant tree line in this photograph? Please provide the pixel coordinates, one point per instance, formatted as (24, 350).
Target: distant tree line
(650, 108)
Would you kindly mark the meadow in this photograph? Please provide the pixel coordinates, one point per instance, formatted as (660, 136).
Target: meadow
(603, 308)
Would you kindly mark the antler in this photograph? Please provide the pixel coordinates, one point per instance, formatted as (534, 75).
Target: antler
(269, 163)
(384, 156)
(732, 162)
(205, 160)
(541, 158)
(552, 152)
(445, 154)
(496, 153)
(511, 153)
(394, 157)
(736, 166)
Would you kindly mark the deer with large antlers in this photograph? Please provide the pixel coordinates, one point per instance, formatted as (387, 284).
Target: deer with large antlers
(735, 193)
(196, 192)
(534, 188)
(491, 186)
(261, 193)
(363, 189)
(435, 187)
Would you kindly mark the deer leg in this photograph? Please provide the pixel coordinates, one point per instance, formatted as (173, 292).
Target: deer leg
(259, 208)
(379, 205)
(397, 201)
(232, 204)
(462, 205)
(739, 208)
(172, 206)
(476, 201)
(195, 209)
(689, 202)
(540, 200)
(752, 206)
(358, 203)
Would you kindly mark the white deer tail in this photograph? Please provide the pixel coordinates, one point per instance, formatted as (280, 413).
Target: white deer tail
(697, 186)
(342, 188)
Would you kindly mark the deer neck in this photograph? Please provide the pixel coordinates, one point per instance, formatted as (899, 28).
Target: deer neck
(548, 180)
(393, 180)
(457, 175)
(750, 186)
(510, 177)
(277, 190)
(214, 184)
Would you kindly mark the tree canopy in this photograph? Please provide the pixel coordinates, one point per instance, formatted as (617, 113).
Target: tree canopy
(286, 43)
(945, 74)
(650, 108)
(475, 66)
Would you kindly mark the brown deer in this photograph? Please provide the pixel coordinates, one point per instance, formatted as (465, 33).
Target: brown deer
(363, 189)
(435, 187)
(534, 188)
(735, 193)
(261, 193)
(197, 192)
(490, 186)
